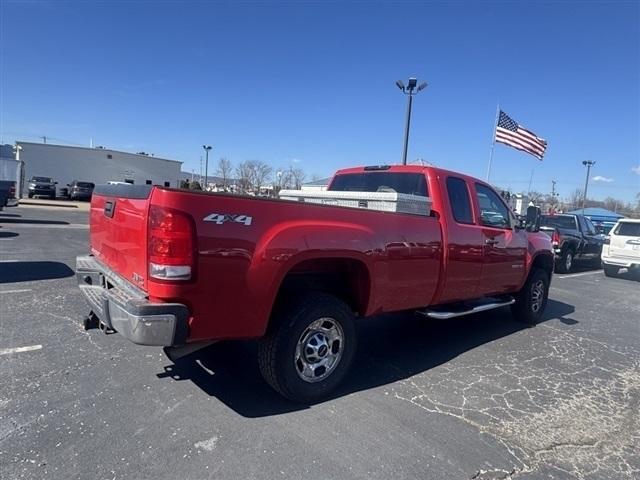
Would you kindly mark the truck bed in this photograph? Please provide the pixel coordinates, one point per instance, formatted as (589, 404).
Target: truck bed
(246, 246)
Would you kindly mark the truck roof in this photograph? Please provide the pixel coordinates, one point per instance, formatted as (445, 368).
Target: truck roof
(408, 169)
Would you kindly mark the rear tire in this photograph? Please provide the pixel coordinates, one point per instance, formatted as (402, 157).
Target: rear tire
(532, 299)
(611, 270)
(565, 262)
(30, 195)
(310, 347)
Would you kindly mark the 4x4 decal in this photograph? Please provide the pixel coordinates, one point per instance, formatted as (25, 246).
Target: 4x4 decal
(220, 218)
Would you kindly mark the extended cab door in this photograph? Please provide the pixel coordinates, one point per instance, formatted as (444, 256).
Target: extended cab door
(464, 244)
(592, 246)
(505, 247)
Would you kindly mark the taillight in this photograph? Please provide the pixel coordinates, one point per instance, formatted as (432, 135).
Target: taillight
(12, 190)
(555, 238)
(171, 244)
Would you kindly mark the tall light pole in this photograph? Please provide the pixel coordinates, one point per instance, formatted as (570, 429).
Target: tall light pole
(588, 164)
(206, 166)
(410, 90)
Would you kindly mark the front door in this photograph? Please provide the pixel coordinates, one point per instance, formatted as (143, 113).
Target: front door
(505, 247)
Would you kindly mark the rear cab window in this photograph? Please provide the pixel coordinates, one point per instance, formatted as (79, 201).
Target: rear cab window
(459, 200)
(399, 182)
(567, 222)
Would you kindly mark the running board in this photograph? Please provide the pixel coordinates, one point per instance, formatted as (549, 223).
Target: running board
(483, 307)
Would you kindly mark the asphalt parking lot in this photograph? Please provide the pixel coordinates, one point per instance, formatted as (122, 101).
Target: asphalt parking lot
(478, 397)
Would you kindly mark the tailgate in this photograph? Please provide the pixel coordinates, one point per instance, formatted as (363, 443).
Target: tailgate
(118, 229)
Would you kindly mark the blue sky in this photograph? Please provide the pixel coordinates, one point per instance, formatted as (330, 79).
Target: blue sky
(312, 83)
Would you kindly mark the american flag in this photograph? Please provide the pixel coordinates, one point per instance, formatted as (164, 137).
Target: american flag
(510, 133)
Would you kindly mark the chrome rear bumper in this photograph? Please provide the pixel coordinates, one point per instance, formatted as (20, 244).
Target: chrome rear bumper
(126, 309)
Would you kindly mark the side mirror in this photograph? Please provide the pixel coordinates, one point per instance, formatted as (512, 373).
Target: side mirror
(55, 183)
(532, 223)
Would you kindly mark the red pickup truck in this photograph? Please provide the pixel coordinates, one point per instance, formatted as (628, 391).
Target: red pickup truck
(183, 269)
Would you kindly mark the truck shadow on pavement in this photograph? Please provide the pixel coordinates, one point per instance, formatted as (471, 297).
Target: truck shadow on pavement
(8, 234)
(391, 348)
(11, 272)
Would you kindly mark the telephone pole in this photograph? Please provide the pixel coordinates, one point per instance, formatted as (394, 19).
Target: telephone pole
(553, 188)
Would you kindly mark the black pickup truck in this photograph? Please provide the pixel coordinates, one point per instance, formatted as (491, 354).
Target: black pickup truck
(573, 237)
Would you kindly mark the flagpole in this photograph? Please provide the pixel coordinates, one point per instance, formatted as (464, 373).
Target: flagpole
(493, 141)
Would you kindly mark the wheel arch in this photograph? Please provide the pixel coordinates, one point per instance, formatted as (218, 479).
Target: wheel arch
(347, 278)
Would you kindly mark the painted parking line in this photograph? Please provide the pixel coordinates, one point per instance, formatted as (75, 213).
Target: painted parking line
(573, 275)
(9, 351)
(15, 291)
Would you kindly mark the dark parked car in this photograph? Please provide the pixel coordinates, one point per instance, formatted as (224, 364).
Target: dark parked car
(80, 190)
(42, 186)
(8, 194)
(573, 237)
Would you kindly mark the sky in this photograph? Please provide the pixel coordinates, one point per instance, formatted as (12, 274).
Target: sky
(312, 84)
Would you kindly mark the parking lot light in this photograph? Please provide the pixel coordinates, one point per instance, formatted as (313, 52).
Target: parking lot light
(206, 166)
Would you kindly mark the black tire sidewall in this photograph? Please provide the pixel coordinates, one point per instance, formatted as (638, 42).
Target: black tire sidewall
(309, 310)
(536, 276)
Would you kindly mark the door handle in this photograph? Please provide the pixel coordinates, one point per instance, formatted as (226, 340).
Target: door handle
(491, 241)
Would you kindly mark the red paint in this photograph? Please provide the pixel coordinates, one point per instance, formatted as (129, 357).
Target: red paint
(401, 261)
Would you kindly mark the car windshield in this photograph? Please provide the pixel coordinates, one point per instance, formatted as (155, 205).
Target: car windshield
(628, 229)
(41, 179)
(408, 183)
(84, 184)
(559, 221)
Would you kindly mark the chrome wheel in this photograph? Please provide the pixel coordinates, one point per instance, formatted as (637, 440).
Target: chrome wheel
(319, 350)
(537, 296)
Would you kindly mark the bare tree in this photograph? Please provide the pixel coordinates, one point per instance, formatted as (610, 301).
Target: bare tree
(613, 204)
(243, 174)
(297, 177)
(260, 174)
(575, 198)
(225, 168)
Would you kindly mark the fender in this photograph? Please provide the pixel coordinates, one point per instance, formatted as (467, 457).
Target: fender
(288, 244)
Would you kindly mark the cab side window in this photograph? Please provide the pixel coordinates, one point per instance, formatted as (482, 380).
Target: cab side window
(591, 229)
(459, 200)
(493, 211)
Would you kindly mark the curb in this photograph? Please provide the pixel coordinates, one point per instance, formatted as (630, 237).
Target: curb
(44, 204)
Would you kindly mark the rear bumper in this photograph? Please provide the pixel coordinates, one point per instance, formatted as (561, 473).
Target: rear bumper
(11, 202)
(126, 309)
(621, 261)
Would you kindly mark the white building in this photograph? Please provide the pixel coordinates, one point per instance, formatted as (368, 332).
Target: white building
(98, 165)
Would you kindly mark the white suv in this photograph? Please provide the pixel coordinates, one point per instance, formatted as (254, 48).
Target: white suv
(622, 247)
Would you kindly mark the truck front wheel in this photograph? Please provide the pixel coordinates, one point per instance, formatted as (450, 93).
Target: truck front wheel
(309, 348)
(532, 299)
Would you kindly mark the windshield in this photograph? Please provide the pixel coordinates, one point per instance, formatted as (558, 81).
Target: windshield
(408, 183)
(559, 221)
(41, 179)
(84, 184)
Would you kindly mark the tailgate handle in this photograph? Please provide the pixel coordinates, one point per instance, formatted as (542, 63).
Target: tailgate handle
(109, 208)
